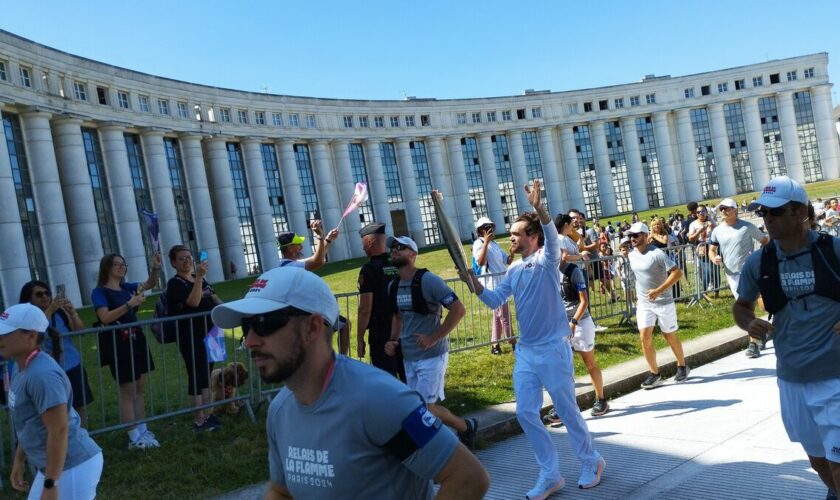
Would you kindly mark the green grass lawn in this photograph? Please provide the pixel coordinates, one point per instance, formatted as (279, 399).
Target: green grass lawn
(191, 466)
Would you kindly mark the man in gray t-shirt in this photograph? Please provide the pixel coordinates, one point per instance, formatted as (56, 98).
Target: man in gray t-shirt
(419, 298)
(729, 245)
(339, 428)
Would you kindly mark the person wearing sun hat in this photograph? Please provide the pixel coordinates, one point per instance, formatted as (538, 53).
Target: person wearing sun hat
(68, 462)
(291, 247)
(333, 411)
(489, 257)
(797, 275)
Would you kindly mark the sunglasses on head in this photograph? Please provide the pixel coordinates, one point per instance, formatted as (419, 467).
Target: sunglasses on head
(266, 324)
(775, 212)
(43, 293)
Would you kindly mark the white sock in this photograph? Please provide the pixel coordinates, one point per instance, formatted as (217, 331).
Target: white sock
(142, 428)
(134, 434)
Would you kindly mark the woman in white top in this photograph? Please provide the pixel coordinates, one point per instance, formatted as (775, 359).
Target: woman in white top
(493, 260)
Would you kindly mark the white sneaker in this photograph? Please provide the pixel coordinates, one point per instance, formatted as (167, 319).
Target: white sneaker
(599, 328)
(545, 487)
(591, 476)
(144, 442)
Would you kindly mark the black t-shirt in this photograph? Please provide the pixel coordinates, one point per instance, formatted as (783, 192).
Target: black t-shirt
(177, 291)
(374, 277)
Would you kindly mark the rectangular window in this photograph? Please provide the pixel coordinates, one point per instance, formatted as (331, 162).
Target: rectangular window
(462, 118)
(650, 98)
(520, 114)
(144, 104)
(618, 103)
(705, 154)
(807, 132)
(259, 117)
(758, 81)
(650, 162)
(243, 115)
(183, 110)
(586, 167)
(506, 115)
(723, 87)
(180, 193)
(379, 121)
(774, 78)
(391, 172)
(358, 169)
(587, 107)
(294, 120)
(3, 70)
(102, 95)
(573, 108)
(689, 92)
(244, 205)
(275, 188)
(395, 121)
(476, 117)
(348, 121)
(738, 151)
(809, 73)
(364, 122)
(504, 174)
(211, 115)
(791, 76)
(423, 178)
(536, 112)
(603, 105)
(311, 122)
(491, 116)
(740, 84)
(80, 91)
(224, 115)
(277, 119)
(475, 181)
(706, 90)
(140, 183)
(309, 194)
(533, 161)
(773, 148)
(99, 190)
(425, 121)
(409, 121)
(618, 166)
(163, 106)
(122, 98)
(634, 101)
(25, 78)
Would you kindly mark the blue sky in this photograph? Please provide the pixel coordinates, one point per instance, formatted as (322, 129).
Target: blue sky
(445, 49)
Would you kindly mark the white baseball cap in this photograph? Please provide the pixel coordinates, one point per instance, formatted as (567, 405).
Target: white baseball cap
(780, 191)
(638, 227)
(484, 221)
(405, 240)
(279, 288)
(23, 317)
(728, 203)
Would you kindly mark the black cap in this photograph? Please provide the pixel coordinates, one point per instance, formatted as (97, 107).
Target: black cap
(372, 228)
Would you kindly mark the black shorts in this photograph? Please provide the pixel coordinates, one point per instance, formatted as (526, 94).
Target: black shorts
(133, 358)
(194, 353)
(82, 394)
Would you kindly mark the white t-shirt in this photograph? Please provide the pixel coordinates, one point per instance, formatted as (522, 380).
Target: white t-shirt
(496, 262)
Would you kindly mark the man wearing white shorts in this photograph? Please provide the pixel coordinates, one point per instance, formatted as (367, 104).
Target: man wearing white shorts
(418, 297)
(655, 273)
(729, 245)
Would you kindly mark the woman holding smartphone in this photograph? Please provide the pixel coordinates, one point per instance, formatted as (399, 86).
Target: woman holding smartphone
(124, 350)
(68, 462)
(187, 293)
(63, 317)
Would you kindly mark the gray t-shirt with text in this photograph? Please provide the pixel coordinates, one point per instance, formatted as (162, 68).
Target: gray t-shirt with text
(651, 270)
(437, 295)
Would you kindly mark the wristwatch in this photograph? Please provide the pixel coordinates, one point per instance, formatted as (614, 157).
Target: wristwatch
(573, 321)
(49, 483)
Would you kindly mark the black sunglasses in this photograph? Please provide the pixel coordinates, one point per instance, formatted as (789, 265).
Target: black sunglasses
(266, 324)
(634, 235)
(400, 247)
(775, 212)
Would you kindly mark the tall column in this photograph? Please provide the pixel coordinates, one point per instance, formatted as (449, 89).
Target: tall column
(755, 143)
(126, 216)
(460, 188)
(224, 206)
(76, 189)
(409, 188)
(195, 177)
(790, 138)
(635, 174)
(672, 191)
(14, 265)
(490, 176)
(378, 190)
(723, 157)
(327, 196)
(520, 170)
(346, 186)
(688, 156)
(826, 133)
(440, 178)
(292, 192)
(160, 187)
(606, 190)
(260, 206)
(574, 198)
(556, 178)
(46, 187)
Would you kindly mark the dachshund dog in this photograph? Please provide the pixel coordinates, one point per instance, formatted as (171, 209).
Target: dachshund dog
(223, 384)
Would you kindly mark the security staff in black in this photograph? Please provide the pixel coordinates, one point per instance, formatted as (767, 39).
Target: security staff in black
(375, 310)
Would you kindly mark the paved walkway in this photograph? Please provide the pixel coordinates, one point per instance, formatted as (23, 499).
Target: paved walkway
(717, 436)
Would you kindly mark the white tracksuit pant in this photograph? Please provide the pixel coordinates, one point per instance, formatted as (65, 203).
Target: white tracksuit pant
(549, 366)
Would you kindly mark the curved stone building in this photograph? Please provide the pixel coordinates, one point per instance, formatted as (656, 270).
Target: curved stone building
(89, 145)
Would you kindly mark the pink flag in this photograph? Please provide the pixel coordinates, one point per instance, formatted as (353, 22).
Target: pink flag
(360, 195)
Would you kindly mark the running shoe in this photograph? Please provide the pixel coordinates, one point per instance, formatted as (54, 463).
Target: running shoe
(144, 442)
(205, 426)
(682, 374)
(599, 328)
(551, 418)
(652, 380)
(591, 476)
(496, 350)
(214, 421)
(468, 436)
(753, 350)
(545, 487)
(600, 407)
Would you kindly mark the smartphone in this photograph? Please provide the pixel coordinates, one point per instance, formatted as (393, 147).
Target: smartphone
(60, 291)
(202, 256)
